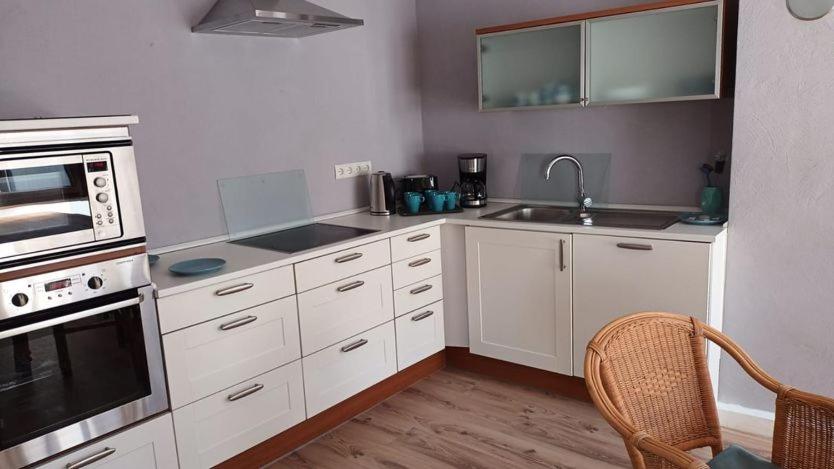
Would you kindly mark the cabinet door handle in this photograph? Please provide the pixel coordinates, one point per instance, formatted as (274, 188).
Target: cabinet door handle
(421, 316)
(422, 289)
(238, 323)
(91, 459)
(635, 247)
(350, 286)
(245, 392)
(354, 346)
(348, 258)
(419, 262)
(419, 237)
(234, 289)
(562, 265)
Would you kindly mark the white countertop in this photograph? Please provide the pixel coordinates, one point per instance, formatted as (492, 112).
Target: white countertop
(243, 260)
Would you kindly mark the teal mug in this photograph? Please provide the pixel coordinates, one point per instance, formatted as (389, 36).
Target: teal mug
(711, 200)
(436, 201)
(412, 201)
(451, 200)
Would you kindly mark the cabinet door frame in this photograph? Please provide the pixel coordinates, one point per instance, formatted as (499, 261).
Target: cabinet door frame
(720, 6)
(562, 361)
(582, 67)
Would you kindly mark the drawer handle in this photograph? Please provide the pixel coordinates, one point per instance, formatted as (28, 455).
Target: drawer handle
(636, 247)
(421, 316)
(245, 392)
(419, 262)
(234, 289)
(348, 258)
(422, 289)
(354, 346)
(350, 286)
(91, 459)
(238, 323)
(418, 237)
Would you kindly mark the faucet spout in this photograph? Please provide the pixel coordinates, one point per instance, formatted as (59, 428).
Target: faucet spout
(585, 202)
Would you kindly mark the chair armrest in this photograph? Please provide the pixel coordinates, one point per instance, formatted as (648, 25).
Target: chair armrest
(669, 453)
(804, 424)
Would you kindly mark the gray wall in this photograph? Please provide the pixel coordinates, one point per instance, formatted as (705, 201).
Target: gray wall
(779, 284)
(212, 107)
(656, 148)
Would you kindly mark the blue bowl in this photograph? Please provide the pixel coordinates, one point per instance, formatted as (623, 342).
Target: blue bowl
(197, 266)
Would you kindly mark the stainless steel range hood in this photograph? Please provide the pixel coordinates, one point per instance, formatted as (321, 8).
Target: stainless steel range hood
(276, 18)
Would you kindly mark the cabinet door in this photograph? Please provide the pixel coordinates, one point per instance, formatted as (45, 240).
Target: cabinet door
(149, 445)
(614, 276)
(534, 67)
(519, 296)
(661, 55)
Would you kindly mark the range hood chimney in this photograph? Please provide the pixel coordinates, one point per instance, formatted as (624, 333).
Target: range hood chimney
(275, 18)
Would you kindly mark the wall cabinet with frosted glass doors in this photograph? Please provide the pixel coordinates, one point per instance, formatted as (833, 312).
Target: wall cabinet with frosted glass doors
(666, 51)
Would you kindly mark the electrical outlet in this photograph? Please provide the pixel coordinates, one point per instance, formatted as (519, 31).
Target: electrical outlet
(352, 170)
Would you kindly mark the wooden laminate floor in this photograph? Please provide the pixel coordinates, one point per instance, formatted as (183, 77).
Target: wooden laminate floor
(456, 419)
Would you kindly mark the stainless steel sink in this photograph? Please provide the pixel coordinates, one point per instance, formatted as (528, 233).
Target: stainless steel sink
(614, 218)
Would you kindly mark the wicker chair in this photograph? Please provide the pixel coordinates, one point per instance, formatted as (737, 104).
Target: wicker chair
(647, 374)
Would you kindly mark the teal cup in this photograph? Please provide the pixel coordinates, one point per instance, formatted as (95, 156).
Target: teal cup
(412, 201)
(451, 200)
(711, 200)
(436, 201)
(429, 193)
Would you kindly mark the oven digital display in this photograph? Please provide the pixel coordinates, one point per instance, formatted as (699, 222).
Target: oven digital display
(96, 166)
(57, 285)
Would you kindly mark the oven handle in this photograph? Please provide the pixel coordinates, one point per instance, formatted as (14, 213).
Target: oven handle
(69, 318)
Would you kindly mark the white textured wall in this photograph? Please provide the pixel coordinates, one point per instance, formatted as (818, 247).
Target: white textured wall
(780, 285)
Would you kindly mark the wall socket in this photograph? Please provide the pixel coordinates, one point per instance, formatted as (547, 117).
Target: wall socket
(352, 170)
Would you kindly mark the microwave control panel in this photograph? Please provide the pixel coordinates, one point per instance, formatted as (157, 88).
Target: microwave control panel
(102, 192)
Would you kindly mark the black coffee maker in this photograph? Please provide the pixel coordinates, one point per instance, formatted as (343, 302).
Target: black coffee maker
(473, 175)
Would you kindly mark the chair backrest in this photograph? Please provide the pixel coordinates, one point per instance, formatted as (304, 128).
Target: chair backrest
(653, 370)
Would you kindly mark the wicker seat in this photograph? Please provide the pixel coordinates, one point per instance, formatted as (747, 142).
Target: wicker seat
(647, 374)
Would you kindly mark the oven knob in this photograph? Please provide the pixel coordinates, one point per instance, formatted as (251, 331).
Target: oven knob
(20, 300)
(100, 182)
(95, 283)
(102, 198)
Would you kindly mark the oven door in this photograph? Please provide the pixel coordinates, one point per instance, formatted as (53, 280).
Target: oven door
(77, 372)
(44, 203)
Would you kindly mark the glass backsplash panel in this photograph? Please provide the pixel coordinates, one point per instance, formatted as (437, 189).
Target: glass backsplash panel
(562, 186)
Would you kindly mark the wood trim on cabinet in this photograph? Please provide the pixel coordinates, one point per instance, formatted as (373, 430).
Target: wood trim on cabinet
(84, 260)
(587, 16)
(295, 437)
(568, 386)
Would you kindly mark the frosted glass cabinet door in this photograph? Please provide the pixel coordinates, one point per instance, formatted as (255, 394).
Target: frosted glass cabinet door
(534, 67)
(664, 55)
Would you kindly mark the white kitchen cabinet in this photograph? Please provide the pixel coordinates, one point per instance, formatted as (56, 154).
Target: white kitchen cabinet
(338, 372)
(417, 295)
(220, 426)
(420, 334)
(337, 311)
(204, 359)
(149, 445)
(614, 276)
(519, 297)
(417, 268)
(414, 243)
(343, 264)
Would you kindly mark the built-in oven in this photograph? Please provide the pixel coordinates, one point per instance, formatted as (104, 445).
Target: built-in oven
(80, 356)
(74, 199)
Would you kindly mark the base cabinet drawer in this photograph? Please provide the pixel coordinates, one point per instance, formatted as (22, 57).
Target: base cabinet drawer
(343, 264)
(420, 334)
(193, 307)
(414, 243)
(220, 426)
(338, 372)
(334, 312)
(149, 445)
(417, 268)
(204, 359)
(418, 294)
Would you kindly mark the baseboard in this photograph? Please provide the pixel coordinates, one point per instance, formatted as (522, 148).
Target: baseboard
(310, 429)
(568, 386)
(744, 419)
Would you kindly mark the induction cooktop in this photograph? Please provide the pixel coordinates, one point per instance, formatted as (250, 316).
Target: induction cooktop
(303, 237)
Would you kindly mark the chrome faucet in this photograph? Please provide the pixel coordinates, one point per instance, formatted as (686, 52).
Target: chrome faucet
(585, 202)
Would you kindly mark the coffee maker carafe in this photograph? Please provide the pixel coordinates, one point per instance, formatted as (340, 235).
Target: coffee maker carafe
(473, 174)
